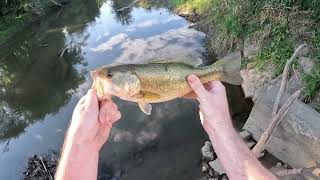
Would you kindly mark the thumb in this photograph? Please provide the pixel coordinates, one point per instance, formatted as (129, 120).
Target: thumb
(197, 86)
(91, 98)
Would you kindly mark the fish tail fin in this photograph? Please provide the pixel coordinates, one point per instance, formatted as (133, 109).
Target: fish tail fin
(231, 68)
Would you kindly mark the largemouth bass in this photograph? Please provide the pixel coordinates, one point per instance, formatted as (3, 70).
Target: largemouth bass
(161, 80)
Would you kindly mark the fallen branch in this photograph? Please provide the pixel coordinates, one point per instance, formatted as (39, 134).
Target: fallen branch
(56, 3)
(313, 172)
(265, 137)
(44, 166)
(287, 172)
(127, 7)
(44, 45)
(61, 52)
(285, 79)
(278, 116)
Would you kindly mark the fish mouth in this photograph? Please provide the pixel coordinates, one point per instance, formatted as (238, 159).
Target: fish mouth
(94, 74)
(97, 84)
(101, 85)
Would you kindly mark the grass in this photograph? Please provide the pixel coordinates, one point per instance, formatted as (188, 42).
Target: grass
(311, 83)
(312, 80)
(189, 6)
(272, 24)
(278, 51)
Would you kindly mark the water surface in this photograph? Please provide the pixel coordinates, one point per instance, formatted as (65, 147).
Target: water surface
(39, 89)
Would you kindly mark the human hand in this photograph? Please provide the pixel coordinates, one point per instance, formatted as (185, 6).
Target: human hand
(91, 123)
(214, 111)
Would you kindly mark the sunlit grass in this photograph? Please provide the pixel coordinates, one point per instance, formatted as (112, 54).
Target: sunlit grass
(192, 5)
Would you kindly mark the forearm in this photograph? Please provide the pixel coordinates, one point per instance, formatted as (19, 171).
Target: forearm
(236, 158)
(77, 163)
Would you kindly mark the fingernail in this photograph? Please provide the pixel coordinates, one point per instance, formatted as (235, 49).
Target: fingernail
(192, 78)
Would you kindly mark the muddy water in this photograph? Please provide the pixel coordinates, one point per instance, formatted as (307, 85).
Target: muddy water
(39, 89)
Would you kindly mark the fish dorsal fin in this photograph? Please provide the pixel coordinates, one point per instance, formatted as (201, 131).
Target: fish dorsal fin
(187, 59)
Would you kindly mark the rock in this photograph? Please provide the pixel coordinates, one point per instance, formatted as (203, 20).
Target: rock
(250, 144)
(293, 84)
(211, 172)
(305, 64)
(245, 135)
(306, 173)
(305, 52)
(251, 49)
(118, 173)
(207, 152)
(191, 25)
(203, 178)
(204, 166)
(296, 141)
(224, 177)
(216, 165)
(253, 80)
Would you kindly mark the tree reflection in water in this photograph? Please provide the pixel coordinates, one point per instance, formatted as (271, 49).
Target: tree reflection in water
(34, 81)
(124, 17)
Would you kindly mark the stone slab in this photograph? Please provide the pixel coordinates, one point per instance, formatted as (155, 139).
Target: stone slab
(296, 141)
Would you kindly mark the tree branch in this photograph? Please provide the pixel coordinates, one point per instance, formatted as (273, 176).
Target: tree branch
(285, 78)
(265, 137)
(127, 7)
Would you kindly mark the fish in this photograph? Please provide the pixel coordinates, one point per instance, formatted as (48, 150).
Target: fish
(161, 80)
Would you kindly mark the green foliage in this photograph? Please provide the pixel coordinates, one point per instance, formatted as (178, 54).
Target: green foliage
(10, 24)
(14, 14)
(198, 6)
(268, 22)
(305, 5)
(278, 52)
(312, 80)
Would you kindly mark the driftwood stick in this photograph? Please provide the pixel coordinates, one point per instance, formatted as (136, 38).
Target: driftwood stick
(61, 52)
(285, 79)
(314, 172)
(44, 166)
(286, 172)
(265, 137)
(278, 116)
(56, 3)
(127, 7)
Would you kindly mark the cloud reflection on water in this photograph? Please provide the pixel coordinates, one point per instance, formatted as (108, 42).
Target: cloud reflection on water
(164, 45)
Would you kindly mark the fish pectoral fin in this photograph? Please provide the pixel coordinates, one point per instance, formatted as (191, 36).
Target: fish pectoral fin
(186, 59)
(138, 96)
(147, 95)
(145, 107)
(150, 95)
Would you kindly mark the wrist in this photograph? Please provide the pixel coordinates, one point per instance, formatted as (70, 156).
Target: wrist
(80, 149)
(77, 162)
(76, 145)
(218, 125)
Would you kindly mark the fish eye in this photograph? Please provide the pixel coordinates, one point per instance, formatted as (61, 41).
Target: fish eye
(109, 75)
